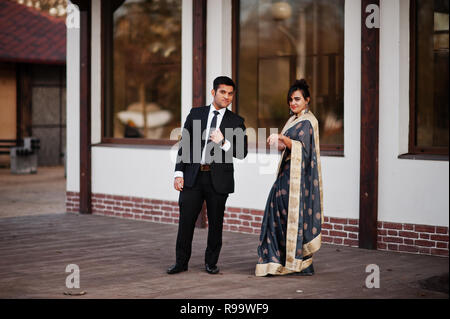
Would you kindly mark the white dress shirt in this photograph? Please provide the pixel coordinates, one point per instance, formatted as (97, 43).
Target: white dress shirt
(226, 146)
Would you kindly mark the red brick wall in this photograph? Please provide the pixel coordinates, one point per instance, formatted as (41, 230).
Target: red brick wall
(136, 208)
(420, 239)
(72, 202)
(340, 231)
(409, 238)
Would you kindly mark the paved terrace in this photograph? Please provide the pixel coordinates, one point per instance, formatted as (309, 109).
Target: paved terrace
(32, 194)
(121, 258)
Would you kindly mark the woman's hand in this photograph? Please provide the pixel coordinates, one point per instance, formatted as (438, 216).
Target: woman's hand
(281, 145)
(272, 139)
(284, 140)
(276, 140)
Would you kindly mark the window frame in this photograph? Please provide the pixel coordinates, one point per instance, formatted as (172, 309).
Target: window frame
(428, 152)
(336, 150)
(107, 7)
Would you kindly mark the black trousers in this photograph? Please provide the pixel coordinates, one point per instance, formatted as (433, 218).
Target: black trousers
(191, 201)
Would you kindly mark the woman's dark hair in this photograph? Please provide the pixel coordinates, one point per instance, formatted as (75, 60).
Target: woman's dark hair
(299, 85)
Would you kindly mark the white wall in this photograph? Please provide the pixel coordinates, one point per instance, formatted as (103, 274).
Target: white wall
(133, 171)
(412, 191)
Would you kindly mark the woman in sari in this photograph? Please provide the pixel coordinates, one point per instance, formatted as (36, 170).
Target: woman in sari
(291, 227)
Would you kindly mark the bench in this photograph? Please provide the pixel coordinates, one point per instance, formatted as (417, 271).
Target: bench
(6, 145)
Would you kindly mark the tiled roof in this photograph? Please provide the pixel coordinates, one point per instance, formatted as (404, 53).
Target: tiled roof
(30, 36)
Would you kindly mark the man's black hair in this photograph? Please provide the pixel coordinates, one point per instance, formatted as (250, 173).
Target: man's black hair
(223, 80)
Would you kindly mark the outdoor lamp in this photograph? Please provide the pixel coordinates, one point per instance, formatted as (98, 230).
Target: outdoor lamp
(281, 10)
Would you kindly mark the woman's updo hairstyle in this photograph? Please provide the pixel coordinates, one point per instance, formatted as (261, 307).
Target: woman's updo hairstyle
(299, 85)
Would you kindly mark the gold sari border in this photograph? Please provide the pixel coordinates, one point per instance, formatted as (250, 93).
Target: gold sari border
(294, 203)
(315, 124)
(278, 269)
(313, 246)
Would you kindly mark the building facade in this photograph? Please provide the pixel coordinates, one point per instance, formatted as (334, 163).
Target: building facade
(377, 71)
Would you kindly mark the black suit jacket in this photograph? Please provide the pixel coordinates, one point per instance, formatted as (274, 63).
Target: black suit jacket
(222, 172)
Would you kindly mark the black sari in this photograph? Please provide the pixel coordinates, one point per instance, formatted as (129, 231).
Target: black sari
(291, 227)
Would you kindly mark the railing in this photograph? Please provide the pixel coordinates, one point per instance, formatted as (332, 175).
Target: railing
(6, 145)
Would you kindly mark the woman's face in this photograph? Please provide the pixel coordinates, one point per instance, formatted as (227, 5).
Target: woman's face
(297, 103)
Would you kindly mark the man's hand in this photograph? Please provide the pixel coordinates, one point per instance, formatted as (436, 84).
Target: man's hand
(178, 183)
(216, 136)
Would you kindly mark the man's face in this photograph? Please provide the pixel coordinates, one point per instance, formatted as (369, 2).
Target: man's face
(223, 96)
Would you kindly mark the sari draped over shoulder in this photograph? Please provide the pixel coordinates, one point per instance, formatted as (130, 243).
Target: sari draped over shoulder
(293, 217)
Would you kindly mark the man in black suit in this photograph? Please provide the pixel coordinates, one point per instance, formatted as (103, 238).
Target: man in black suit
(211, 137)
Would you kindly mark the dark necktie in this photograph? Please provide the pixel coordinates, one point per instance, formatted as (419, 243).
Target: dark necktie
(212, 127)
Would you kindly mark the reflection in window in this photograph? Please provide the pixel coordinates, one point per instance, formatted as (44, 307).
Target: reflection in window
(280, 41)
(432, 77)
(143, 90)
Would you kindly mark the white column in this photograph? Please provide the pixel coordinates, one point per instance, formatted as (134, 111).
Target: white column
(218, 42)
(73, 100)
(186, 59)
(96, 85)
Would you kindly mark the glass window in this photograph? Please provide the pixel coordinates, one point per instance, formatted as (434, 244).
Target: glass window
(142, 69)
(280, 41)
(429, 103)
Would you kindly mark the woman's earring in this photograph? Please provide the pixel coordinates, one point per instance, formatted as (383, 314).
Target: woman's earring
(290, 112)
